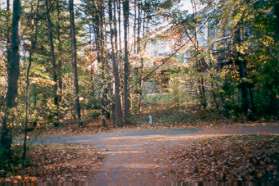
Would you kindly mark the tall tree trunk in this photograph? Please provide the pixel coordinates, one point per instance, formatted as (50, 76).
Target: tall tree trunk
(101, 40)
(98, 22)
(139, 21)
(117, 102)
(246, 103)
(115, 26)
(202, 93)
(139, 30)
(60, 51)
(135, 26)
(120, 49)
(200, 62)
(13, 75)
(8, 23)
(144, 25)
(276, 9)
(119, 27)
(53, 62)
(126, 60)
(74, 61)
(27, 82)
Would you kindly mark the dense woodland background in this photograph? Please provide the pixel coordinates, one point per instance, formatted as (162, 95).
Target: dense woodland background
(66, 61)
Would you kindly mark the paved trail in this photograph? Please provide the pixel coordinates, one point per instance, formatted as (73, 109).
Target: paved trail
(138, 156)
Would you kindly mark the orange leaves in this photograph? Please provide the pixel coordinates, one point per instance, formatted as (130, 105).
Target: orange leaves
(241, 158)
(63, 161)
(19, 180)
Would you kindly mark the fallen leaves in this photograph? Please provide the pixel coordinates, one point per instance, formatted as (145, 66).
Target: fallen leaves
(68, 129)
(26, 180)
(234, 158)
(64, 162)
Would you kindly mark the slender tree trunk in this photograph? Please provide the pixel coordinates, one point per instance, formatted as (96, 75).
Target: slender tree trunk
(242, 70)
(213, 93)
(139, 22)
(115, 27)
(8, 23)
(276, 10)
(117, 102)
(144, 24)
(135, 26)
(98, 22)
(245, 101)
(126, 60)
(119, 26)
(140, 85)
(115, 34)
(60, 51)
(120, 48)
(274, 101)
(53, 62)
(139, 26)
(200, 62)
(103, 63)
(13, 75)
(27, 83)
(74, 61)
(202, 92)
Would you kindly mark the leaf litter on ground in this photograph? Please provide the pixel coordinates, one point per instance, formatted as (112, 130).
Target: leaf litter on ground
(251, 158)
(59, 163)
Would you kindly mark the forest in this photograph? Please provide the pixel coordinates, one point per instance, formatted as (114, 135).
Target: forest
(139, 92)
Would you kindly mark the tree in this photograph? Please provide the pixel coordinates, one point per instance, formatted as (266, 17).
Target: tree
(13, 59)
(60, 51)
(126, 59)
(33, 46)
(74, 61)
(53, 62)
(113, 40)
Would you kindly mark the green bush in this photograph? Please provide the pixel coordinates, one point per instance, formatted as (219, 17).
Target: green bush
(12, 161)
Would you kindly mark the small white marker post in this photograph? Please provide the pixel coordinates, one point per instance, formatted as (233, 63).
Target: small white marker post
(150, 120)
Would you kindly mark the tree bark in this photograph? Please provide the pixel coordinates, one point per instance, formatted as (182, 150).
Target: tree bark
(135, 25)
(60, 51)
(117, 101)
(276, 9)
(8, 23)
(53, 62)
(13, 70)
(74, 61)
(98, 22)
(200, 62)
(27, 83)
(119, 27)
(139, 30)
(246, 103)
(126, 60)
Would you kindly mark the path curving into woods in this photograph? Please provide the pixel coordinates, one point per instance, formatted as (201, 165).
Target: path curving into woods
(139, 156)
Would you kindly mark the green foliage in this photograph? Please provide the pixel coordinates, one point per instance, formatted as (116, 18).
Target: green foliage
(166, 4)
(258, 48)
(4, 160)
(158, 99)
(12, 161)
(95, 114)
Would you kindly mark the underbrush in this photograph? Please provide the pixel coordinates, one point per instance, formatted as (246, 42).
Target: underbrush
(192, 115)
(172, 115)
(12, 162)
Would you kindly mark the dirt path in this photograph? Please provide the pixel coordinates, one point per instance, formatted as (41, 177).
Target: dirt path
(139, 156)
